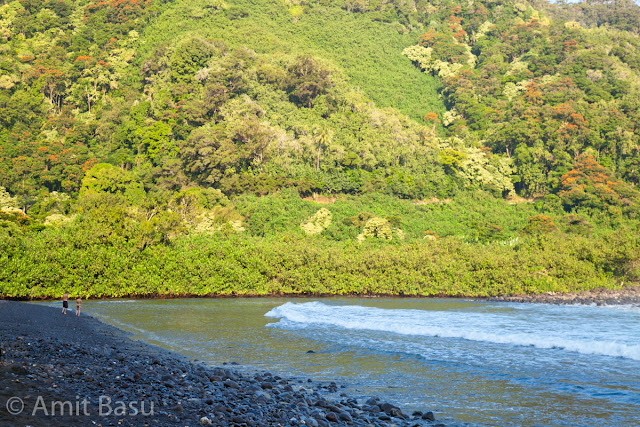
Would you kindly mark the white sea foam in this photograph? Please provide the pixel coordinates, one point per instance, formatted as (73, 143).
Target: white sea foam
(498, 328)
(624, 307)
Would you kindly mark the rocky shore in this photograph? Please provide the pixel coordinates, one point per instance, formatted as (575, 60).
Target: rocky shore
(626, 295)
(61, 370)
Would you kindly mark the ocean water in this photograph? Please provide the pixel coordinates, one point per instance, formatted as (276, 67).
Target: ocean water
(471, 362)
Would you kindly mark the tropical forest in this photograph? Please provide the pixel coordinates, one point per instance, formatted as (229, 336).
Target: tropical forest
(169, 148)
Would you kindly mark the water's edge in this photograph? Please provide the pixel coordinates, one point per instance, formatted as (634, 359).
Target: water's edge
(112, 362)
(627, 294)
(490, 382)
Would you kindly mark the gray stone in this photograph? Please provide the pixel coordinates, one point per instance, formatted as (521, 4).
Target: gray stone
(231, 384)
(345, 417)
(428, 416)
(331, 416)
(311, 422)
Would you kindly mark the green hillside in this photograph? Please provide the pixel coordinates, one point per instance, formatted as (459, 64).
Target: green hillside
(367, 52)
(189, 147)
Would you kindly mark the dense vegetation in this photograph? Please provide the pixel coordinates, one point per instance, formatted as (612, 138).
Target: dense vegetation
(165, 147)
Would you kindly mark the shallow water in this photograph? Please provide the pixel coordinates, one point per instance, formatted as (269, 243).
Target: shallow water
(471, 362)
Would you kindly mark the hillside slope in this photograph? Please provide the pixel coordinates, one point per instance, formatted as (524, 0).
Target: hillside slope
(218, 148)
(368, 52)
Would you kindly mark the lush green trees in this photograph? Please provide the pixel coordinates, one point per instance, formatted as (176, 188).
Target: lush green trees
(589, 185)
(143, 128)
(179, 245)
(539, 91)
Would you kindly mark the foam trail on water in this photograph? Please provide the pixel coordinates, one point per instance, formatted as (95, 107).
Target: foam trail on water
(497, 328)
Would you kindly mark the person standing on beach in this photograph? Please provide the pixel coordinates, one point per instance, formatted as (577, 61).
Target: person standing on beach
(78, 302)
(65, 302)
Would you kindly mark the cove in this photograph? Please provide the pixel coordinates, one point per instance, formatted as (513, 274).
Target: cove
(473, 362)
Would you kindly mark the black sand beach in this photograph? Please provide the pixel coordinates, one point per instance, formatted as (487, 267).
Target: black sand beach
(61, 370)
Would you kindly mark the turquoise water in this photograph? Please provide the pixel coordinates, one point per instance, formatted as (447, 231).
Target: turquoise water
(471, 362)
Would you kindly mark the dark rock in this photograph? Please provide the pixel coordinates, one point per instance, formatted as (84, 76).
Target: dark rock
(396, 412)
(311, 422)
(331, 416)
(19, 370)
(345, 417)
(390, 409)
(321, 403)
(428, 416)
(371, 408)
(310, 352)
(372, 401)
(231, 384)
(238, 420)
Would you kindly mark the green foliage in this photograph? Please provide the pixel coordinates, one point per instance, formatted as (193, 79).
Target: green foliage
(618, 14)
(589, 185)
(377, 228)
(538, 90)
(317, 223)
(173, 147)
(539, 224)
(7, 202)
(104, 177)
(240, 265)
(286, 102)
(307, 80)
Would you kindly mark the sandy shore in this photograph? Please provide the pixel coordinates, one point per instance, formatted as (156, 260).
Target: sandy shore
(626, 295)
(63, 370)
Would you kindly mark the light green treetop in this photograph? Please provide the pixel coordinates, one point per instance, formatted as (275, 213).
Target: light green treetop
(317, 223)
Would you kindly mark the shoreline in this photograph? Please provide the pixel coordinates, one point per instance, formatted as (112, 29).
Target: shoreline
(601, 296)
(627, 294)
(68, 370)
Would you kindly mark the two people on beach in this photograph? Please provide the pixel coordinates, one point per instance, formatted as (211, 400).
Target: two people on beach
(65, 304)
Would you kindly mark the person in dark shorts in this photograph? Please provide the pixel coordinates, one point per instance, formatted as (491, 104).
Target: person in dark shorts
(65, 302)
